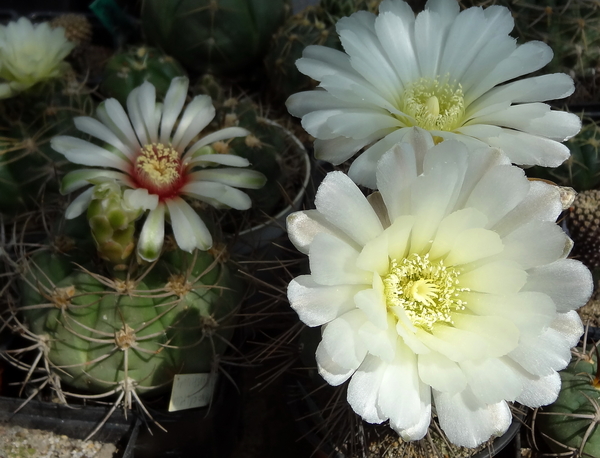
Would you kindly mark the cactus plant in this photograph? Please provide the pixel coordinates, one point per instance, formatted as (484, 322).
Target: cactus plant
(570, 426)
(103, 332)
(219, 36)
(128, 69)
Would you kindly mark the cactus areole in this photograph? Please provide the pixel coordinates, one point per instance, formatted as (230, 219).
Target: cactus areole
(217, 36)
(131, 333)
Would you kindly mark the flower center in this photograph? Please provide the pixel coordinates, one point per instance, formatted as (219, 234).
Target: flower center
(434, 104)
(427, 291)
(158, 168)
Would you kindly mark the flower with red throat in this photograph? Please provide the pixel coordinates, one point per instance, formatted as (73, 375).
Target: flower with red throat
(149, 151)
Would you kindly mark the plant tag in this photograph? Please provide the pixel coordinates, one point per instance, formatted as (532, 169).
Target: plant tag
(192, 390)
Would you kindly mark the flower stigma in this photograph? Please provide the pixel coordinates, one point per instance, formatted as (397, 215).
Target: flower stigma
(158, 168)
(427, 291)
(434, 104)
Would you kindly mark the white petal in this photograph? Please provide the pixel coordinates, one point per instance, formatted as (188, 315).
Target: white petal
(442, 374)
(372, 302)
(140, 198)
(467, 421)
(79, 204)
(223, 159)
(499, 335)
(333, 262)
(112, 114)
(396, 33)
(174, 101)
(77, 179)
(496, 277)
(452, 226)
(472, 245)
(239, 178)
(527, 149)
(363, 169)
(534, 244)
(340, 347)
(499, 191)
(95, 128)
(141, 104)
(567, 281)
(374, 257)
(380, 342)
(81, 152)
(542, 203)
(196, 117)
(152, 236)
(302, 227)
(363, 389)
(340, 149)
(223, 134)
(399, 396)
(539, 391)
(316, 304)
(217, 194)
(531, 312)
(189, 229)
(535, 89)
(342, 202)
(492, 380)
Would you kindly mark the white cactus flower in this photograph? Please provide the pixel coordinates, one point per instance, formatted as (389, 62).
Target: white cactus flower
(449, 287)
(30, 53)
(452, 73)
(157, 165)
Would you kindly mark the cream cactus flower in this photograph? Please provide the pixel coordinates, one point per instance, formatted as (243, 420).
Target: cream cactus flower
(448, 290)
(30, 53)
(155, 154)
(452, 73)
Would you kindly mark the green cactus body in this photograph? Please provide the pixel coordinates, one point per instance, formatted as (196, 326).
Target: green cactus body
(315, 25)
(127, 70)
(28, 165)
(581, 170)
(579, 395)
(100, 333)
(218, 36)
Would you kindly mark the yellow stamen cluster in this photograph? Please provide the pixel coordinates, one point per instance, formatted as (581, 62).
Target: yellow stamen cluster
(434, 104)
(159, 163)
(427, 291)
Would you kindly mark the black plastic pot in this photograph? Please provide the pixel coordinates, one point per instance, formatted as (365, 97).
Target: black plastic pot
(75, 421)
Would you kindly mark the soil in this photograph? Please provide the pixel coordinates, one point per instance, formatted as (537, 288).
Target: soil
(18, 442)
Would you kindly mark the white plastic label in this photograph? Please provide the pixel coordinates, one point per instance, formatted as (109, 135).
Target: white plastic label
(192, 390)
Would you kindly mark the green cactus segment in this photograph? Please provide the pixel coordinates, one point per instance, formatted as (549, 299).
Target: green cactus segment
(581, 170)
(218, 36)
(315, 25)
(112, 222)
(28, 165)
(127, 70)
(174, 318)
(579, 395)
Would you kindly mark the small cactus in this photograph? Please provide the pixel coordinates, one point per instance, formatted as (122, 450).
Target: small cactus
(570, 426)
